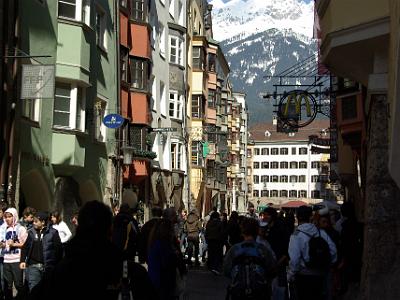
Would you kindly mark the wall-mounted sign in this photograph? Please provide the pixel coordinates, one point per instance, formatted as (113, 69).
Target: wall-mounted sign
(297, 108)
(113, 121)
(37, 81)
(166, 129)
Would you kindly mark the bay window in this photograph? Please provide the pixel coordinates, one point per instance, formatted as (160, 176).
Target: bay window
(175, 50)
(176, 155)
(78, 10)
(69, 107)
(175, 105)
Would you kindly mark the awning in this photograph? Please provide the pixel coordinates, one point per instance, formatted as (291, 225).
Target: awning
(294, 204)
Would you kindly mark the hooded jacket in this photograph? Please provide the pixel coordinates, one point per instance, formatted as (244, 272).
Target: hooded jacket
(192, 225)
(298, 249)
(15, 232)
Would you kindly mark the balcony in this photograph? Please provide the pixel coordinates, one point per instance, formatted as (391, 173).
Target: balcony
(352, 32)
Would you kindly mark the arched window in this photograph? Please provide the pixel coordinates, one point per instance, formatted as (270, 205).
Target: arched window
(293, 194)
(293, 178)
(283, 178)
(293, 165)
(283, 193)
(303, 165)
(274, 178)
(284, 164)
(274, 193)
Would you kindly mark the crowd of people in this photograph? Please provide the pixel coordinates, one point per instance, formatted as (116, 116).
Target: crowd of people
(266, 256)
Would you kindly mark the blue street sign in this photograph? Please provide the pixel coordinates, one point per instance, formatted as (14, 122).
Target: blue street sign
(113, 121)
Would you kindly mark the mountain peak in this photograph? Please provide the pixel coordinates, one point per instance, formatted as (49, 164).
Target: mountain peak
(246, 17)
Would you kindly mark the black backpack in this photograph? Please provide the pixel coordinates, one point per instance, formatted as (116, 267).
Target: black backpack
(318, 252)
(248, 275)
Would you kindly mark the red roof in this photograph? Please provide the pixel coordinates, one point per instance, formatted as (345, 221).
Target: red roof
(294, 204)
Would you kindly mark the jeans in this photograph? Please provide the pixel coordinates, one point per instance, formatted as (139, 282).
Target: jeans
(34, 274)
(13, 274)
(193, 242)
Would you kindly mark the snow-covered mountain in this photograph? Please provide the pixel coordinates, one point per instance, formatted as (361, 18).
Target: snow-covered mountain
(246, 17)
(262, 37)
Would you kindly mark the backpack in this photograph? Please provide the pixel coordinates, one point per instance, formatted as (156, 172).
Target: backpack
(248, 275)
(318, 251)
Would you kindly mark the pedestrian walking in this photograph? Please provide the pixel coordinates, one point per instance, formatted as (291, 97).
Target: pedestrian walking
(234, 232)
(27, 217)
(40, 253)
(312, 253)
(214, 239)
(250, 266)
(12, 240)
(192, 229)
(60, 226)
(143, 243)
(92, 265)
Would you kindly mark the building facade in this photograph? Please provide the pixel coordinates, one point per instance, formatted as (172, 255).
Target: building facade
(52, 137)
(359, 42)
(287, 166)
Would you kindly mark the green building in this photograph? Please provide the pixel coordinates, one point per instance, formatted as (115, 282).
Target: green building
(64, 149)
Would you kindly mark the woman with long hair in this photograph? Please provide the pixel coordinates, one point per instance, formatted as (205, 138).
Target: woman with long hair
(60, 226)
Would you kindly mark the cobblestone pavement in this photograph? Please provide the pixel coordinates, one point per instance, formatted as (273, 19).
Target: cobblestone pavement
(203, 285)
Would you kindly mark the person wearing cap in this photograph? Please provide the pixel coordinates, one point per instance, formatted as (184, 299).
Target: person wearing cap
(41, 252)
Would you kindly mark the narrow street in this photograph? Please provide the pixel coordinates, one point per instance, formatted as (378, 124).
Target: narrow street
(202, 284)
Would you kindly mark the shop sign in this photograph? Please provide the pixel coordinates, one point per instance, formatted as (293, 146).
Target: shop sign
(297, 108)
(113, 121)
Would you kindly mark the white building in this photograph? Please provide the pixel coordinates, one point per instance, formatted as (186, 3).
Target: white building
(286, 167)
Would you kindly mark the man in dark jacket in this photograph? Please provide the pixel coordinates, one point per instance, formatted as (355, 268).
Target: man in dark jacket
(42, 250)
(214, 238)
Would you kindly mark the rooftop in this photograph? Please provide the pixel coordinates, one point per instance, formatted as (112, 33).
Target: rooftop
(266, 132)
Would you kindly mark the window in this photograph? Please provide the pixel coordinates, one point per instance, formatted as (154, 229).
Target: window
(293, 194)
(256, 179)
(274, 165)
(293, 179)
(265, 151)
(163, 105)
(256, 165)
(172, 8)
(315, 178)
(315, 194)
(303, 194)
(198, 58)
(274, 193)
(212, 134)
(139, 10)
(31, 109)
(302, 178)
(211, 62)
(264, 193)
(139, 73)
(69, 107)
(283, 178)
(197, 106)
(176, 155)
(325, 169)
(284, 151)
(161, 38)
(124, 63)
(175, 105)
(264, 178)
(211, 99)
(100, 129)
(303, 165)
(256, 151)
(293, 165)
(349, 107)
(265, 165)
(274, 178)
(315, 164)
(284, 165)
(303, 151)
(175, 50)
(283, 193)
(256, 193)
(196, 153)
(78, 10)
(101, 28)
(274, 151)
(136, 136)
(293, 150)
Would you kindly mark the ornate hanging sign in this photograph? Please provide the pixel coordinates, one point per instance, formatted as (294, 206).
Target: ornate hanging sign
(297, 108)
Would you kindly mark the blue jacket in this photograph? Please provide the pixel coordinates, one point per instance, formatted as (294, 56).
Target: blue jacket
(52, 247)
